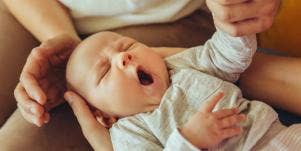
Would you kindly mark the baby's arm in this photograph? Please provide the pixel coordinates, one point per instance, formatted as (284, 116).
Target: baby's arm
(223, 56)
(204, 129)
(227, 57)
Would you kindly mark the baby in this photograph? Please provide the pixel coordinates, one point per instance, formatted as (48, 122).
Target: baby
(163, 104)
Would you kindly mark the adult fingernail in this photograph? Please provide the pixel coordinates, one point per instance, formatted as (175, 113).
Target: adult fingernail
(36, 122)
(68, 96)
(36, 97)
(47, 118)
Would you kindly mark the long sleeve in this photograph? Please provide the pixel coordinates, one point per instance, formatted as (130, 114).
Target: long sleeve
(134, 135)
(222, 56)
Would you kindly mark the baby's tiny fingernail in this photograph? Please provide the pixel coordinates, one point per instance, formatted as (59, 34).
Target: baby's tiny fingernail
(242, 116)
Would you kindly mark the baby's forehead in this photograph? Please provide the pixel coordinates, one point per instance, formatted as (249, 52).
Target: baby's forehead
(101, 40)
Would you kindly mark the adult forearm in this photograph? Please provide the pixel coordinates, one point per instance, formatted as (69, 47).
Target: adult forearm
(275, 80)
(45, 19)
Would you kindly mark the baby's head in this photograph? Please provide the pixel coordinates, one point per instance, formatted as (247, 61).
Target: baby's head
(117, 74)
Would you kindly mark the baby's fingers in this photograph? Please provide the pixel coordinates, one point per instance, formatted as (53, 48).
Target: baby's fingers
(230, 132)
(210, 104)
(225, 113)
(232, 120)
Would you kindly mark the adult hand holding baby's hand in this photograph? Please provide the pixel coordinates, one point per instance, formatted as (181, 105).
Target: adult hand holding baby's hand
(96, 134)
(42, 81)
(206, 129)
(243, 17)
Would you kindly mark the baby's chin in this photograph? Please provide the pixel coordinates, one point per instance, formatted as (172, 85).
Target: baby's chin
(156, 90)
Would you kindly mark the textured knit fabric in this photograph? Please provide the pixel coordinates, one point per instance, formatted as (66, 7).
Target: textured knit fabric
(91, 16)
(197, 74)
(288, 139)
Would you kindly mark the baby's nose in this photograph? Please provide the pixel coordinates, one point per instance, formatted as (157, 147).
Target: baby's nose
(126, 58)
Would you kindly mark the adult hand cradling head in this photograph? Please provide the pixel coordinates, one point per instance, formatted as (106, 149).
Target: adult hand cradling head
(42, 81)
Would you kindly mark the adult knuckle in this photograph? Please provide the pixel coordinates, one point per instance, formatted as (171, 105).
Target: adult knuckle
(224, 2)
(17, 88)
(226, 14)
(232, 120)
(267, 9)
(235, 32)
(16, 93)
(36, 53)
(19, 107)
(268, 23)
(49, 42)
(23, 76)
(265, 23)
(22, 111)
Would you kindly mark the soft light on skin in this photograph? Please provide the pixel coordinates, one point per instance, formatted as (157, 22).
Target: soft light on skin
(103, 69)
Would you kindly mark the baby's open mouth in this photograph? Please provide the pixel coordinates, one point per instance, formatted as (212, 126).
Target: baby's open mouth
(144, 77)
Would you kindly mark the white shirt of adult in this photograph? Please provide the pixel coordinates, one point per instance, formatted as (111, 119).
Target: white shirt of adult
(91, 16)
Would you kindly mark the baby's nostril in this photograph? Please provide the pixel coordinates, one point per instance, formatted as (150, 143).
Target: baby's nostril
(123, 62)
(130, 57)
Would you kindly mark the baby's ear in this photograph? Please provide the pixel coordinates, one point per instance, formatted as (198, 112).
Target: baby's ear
(104, 119)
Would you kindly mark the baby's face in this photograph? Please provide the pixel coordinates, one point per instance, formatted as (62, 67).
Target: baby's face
(117, 75)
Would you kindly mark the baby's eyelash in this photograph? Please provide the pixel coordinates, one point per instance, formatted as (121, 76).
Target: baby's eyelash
(107, 67)
(129, 46)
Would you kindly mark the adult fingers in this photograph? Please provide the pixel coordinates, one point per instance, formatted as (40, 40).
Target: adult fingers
(247, 27)
(81, 111)
(232, 120)
(59, 48)
(230, 132)
(225, 112)
(32, 87)
(30, 110)
(229, 2)
(58, 43)
(233, 13)
(35, 68)
(210, 104)
(38, 121)
(25, 103)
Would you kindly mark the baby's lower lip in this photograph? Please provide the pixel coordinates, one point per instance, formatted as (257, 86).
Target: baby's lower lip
(156, 89)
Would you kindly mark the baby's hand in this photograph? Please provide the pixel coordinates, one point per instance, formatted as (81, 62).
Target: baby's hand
(206, 129)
